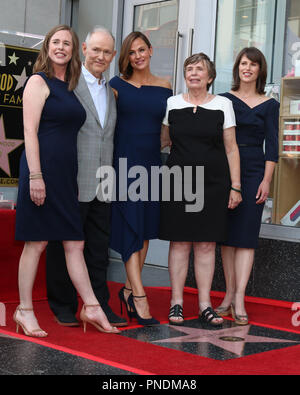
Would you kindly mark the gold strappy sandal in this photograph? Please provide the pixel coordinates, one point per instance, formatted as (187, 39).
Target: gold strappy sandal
(86, 320)
(34, 332)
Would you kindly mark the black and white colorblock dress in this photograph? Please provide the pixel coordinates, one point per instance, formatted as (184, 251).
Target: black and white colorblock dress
(197, 140)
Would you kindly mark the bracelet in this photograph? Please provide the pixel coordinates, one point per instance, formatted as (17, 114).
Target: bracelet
(35, 176)
(236, 190)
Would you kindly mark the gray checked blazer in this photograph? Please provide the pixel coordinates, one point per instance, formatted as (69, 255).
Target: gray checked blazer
(94, 144)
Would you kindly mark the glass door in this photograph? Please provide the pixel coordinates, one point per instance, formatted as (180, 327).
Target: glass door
(242, 23)
(159, 21)
(169, 25)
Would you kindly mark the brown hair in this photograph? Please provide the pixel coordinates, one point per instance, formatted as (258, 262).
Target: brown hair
(124, 65)
(201, 57)
(255, 55)
(44, 64)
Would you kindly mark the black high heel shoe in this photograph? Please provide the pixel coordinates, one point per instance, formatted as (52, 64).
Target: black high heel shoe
(131, 314)
(141, 321)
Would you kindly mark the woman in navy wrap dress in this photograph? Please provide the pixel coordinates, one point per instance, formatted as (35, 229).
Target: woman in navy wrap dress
(257, 137)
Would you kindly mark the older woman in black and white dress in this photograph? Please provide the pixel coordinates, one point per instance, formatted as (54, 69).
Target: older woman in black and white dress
(200, 128)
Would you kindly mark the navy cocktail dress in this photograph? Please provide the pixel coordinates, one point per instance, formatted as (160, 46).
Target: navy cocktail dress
(59, 218)
(256, 127)
(140, 112)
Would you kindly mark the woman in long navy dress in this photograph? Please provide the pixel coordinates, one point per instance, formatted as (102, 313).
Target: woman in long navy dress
(47, 206)
(257, 123)
(141, 105)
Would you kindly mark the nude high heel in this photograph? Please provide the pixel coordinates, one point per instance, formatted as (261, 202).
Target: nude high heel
(239, 319)
(223, 311)
(34, 332)
(86, 320)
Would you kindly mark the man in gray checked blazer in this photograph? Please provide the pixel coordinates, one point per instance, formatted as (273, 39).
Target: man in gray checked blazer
(95, 149)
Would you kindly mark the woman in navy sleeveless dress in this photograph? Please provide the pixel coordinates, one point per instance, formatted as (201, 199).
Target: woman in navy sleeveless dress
(47, 206)
(257, 124)
(59, 217)
(141, 105)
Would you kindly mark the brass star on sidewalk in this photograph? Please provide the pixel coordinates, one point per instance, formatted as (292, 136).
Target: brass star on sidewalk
(230, 339)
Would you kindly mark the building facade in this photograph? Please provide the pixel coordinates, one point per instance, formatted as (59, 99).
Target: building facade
(178, 28)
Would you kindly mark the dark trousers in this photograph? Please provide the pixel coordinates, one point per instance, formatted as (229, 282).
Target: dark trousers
(62, 296)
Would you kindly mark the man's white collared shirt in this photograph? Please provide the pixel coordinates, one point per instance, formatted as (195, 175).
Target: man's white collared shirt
(97, 89)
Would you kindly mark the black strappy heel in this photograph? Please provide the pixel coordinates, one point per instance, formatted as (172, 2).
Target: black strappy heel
(141, 321)
(131, 314)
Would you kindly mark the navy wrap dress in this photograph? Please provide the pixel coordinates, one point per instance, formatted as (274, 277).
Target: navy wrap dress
(257, 138)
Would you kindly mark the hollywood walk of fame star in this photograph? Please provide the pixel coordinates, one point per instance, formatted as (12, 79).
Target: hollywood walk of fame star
(6, 146)
(21, 79)
(13, 58)
(230, 339)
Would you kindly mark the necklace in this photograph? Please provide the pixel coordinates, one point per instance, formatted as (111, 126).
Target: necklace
(196, 105)
(246, 96)
(139, 83)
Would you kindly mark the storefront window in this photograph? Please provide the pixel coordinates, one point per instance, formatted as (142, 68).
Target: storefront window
(242, 23)
(23, 25)
(245, 23)
(292, 36)
(286, 210)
